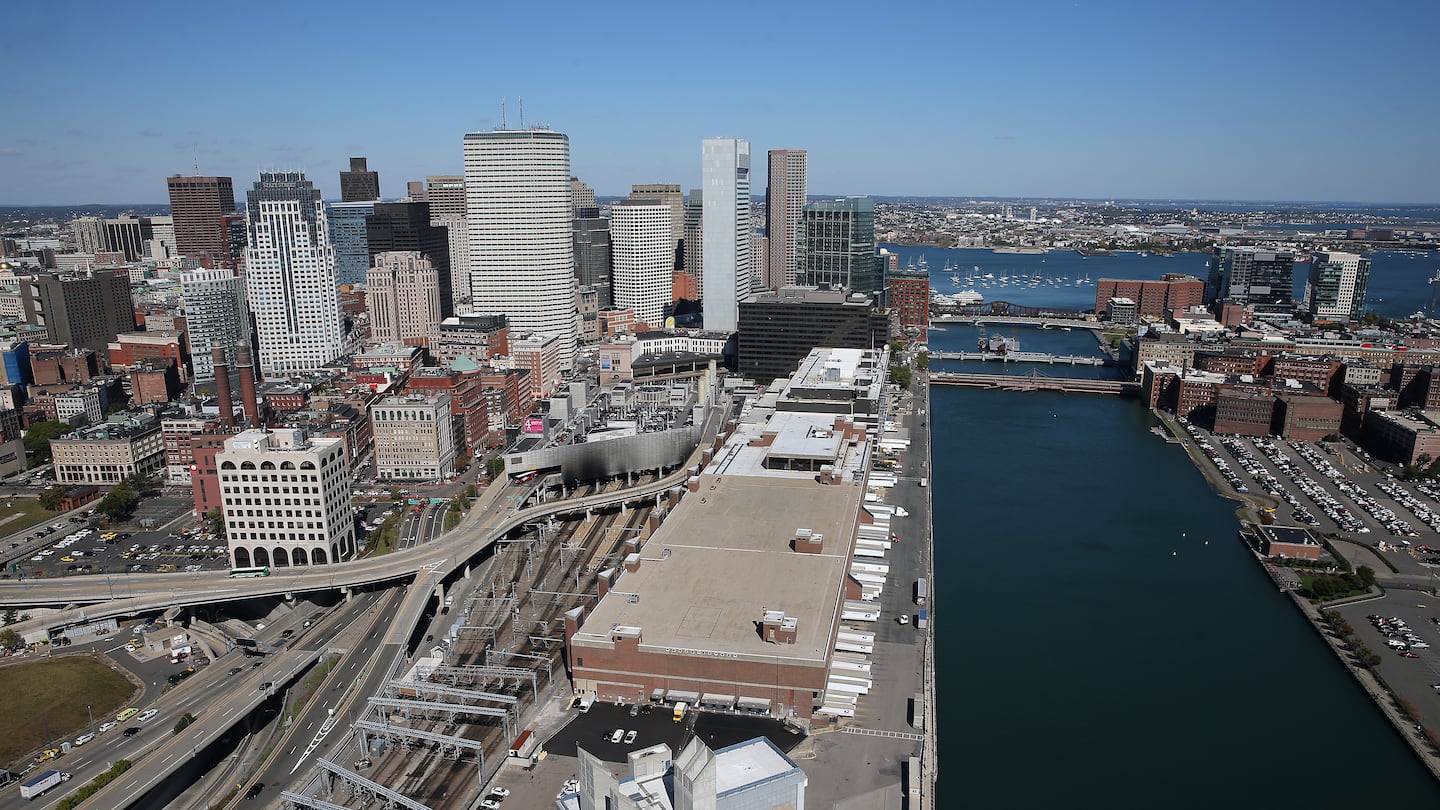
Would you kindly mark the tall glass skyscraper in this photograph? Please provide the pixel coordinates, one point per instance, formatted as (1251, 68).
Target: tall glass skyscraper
(725, 174)
(1337, 286)
(518, 216)
(290, 275)
(214, 315)
(837, 245)
(348, 236)
(1260, 277)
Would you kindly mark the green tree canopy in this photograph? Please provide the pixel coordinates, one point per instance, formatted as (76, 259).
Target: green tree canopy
(495, 467)
(38, 436)
(117, 503)
(51, 498)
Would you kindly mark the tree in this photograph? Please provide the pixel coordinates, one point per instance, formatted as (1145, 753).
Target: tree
(117, 503)
(9, 639)
(143, 485)
(1366, 575)
(215, 522)
(900, 375)
(51, 498)
(922, 361)
(462, 461)
(37, 439)
(495, 467)
(185, 720)
(471, 491)
(10, 617)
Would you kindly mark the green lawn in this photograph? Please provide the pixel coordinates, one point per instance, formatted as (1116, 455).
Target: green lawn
(51, 695)
(19, 514)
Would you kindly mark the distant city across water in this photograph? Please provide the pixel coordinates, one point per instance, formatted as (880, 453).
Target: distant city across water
(1399, 280)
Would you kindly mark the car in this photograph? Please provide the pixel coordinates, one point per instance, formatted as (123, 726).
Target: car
(499, 791)
(84, 738)
(264, 687)
(903, 618)
(1408, 654)
(617, 735)
(254, 790)
(146, 715)
(490, 804)
(107, 725)
(309, 623)
(236, 670)
(630, 736)
(257, 664)
(131, 731)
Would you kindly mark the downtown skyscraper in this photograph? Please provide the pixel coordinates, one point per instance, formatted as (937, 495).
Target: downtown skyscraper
(215, 315)
(725, 177)
(290, 275)
(198, 206)
(643, 249)
(518, 216)
(784, 197)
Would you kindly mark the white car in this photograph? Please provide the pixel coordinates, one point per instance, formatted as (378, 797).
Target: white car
(146, 715)
(84, 738)
(618, 735)
(107, 725)
(500, 791)
(489, 804)
(904, 619)
(630, 736)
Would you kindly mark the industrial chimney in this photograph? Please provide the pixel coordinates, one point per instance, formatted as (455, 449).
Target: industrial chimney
(222, 385)
(247, 384)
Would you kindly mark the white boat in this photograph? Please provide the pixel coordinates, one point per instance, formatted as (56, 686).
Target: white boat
(968, 297)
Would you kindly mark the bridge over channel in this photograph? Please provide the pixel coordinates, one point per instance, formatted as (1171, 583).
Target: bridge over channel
(1035, 382)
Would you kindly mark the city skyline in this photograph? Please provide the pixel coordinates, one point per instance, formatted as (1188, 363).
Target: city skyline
(1054, 100)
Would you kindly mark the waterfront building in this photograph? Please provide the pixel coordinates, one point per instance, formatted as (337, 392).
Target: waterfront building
(594, 253)
(1402, 437)
(785, 196)
(1178, 350)
(406, 226)
(290, 275)
(670, 195)
(81, 310)
(907, 292)
(748, 775)
(1258, 277)
(402, 293)
(643, 257)
(414, 437)
(476, 337)
(725, 172)
(1121, 311)
(522, 258)
(349, 237)
(216, 315)
(1152, 298)
(109, 452)
(1288, 542)
(315, 526)
(761, 562)
(1337, 286)
(837, 245)
(777, 329)
(1321, 372)
(198, 206)
(359, 184)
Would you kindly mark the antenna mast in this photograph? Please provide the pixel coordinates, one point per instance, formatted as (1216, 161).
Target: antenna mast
(522, 113)
(502, 114)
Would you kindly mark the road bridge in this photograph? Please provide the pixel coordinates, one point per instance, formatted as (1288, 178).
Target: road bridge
(1036, 382)
(1023, 357)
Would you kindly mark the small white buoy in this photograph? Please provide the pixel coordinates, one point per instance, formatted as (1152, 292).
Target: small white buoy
(1174, 554)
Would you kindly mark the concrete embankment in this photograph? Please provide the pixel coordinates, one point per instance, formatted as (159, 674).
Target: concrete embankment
(930, 757)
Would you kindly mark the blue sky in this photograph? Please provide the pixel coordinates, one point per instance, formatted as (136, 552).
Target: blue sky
(1272, 100)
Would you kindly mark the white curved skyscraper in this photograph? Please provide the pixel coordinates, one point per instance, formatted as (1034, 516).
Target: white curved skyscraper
(725, 172)
(522, 259)
(642, 251)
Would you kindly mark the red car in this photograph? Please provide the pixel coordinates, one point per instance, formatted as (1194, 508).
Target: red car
(1409, 655)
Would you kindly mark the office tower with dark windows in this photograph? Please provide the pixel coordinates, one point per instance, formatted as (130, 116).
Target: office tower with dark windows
(290, 280)
(725, 173)
(593, 252)
(837, 245)
(1259, 277)
(694, 238)
(778, 329)
(198, 206)
(215, 316)
(785, 192)
(405, 226)
(359, 184)
(80, 310)
(519, 218)
(349, 237)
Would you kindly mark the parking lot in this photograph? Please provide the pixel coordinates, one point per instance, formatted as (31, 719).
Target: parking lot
(70, 548)
(1411, 668)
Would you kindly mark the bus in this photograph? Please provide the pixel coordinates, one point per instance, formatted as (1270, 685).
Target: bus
(253, 571)
(126, 714)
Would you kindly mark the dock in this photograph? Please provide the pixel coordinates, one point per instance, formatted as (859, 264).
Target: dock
(1023, 357)
(1036, 382)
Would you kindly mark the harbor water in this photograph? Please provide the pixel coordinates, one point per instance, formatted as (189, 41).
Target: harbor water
(1104, 637)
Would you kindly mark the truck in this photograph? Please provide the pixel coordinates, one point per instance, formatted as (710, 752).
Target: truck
(922, 590)
(679, 713)
(922, 620)
(42, 782)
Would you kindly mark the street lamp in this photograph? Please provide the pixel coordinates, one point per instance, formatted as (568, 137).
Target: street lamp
(92, 716)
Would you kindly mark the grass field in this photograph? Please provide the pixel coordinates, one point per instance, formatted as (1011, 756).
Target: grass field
(19, 514)
(51, 695)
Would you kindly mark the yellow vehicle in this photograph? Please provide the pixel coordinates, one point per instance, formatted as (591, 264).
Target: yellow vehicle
(108, 536)
(125, 555)
(126, 714)
(67, 558)
(166, 568)
(48, 753)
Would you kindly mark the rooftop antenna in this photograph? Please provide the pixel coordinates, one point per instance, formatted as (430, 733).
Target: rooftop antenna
(502, 113)
(522, 113)
(197, 158)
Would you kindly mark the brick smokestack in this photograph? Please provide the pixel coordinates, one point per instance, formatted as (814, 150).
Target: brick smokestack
(222, 385)
(247, 384)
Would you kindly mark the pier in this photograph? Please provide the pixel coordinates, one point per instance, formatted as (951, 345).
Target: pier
(1035, 381)
(1023, 357)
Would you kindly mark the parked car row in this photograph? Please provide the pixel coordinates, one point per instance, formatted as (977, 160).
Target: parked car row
(1398, 635)
(1391, 521)
(1417, 507)
(1321, 497)
(1220, 463)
